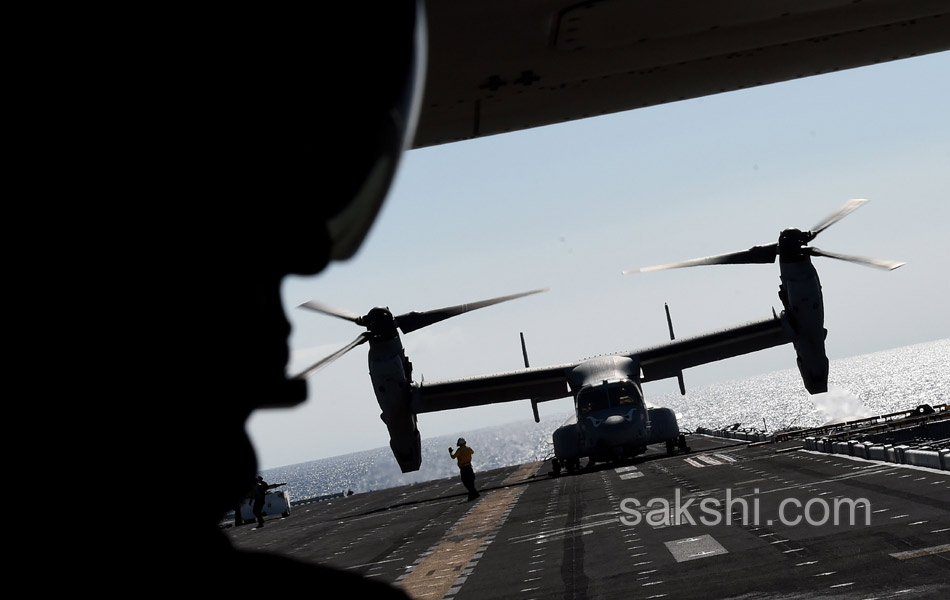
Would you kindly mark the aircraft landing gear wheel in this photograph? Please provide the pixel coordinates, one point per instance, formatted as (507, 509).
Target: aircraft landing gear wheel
(556, 467)
(670, 448)
(682, 443)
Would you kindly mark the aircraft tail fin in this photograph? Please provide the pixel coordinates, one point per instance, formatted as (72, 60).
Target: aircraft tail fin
(669, 322)
(534, 403)
(524, 351)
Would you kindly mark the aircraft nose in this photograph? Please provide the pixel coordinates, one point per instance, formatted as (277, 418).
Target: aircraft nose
(614, 430)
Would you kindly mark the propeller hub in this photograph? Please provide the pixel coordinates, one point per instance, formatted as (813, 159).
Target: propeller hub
(380, 322)
(791, 245)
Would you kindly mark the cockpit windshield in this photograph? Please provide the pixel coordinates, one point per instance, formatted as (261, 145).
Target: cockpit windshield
(622, 395)
(601, 397)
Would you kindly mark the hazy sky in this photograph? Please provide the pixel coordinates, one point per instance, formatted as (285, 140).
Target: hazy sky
(570, 206)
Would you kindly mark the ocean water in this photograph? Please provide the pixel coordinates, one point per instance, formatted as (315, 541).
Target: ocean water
(861, 386)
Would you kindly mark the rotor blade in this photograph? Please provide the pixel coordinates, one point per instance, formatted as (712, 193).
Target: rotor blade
(754, 255)
(330, 310)
(322, 363)
(412, 321)
(849, 207)
(889, 265)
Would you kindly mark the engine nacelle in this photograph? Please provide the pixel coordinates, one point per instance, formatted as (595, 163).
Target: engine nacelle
(390, 372)
(567, 442)
(805, 314)
(663, 425)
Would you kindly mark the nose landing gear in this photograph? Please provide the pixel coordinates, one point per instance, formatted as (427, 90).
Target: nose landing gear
(572, 466)
(677, 445)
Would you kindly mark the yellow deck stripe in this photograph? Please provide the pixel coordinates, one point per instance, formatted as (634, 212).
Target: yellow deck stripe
(432, 578)
(921, 552)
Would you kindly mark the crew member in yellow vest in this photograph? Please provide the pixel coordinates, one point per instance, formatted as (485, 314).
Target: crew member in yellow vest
(464, 457)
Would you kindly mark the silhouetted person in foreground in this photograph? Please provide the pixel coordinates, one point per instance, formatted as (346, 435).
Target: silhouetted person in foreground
(464, 457)
(252, 148)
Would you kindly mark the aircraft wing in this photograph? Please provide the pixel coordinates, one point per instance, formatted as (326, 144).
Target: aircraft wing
(670, 359)
(549, 383)
(497, 65)
(541, 384)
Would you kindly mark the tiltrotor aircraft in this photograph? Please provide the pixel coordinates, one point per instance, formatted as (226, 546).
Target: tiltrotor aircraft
(611, 420)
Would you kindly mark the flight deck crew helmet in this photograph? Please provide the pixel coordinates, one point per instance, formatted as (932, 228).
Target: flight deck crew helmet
(364, 110)
(371, 120)
(461, 442)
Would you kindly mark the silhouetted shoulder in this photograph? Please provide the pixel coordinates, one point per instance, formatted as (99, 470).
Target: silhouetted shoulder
(276, 572)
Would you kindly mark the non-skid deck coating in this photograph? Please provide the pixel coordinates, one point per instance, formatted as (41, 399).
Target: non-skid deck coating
(726, 520)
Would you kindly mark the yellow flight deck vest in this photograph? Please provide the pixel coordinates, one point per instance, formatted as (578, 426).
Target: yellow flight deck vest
(464, 455)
